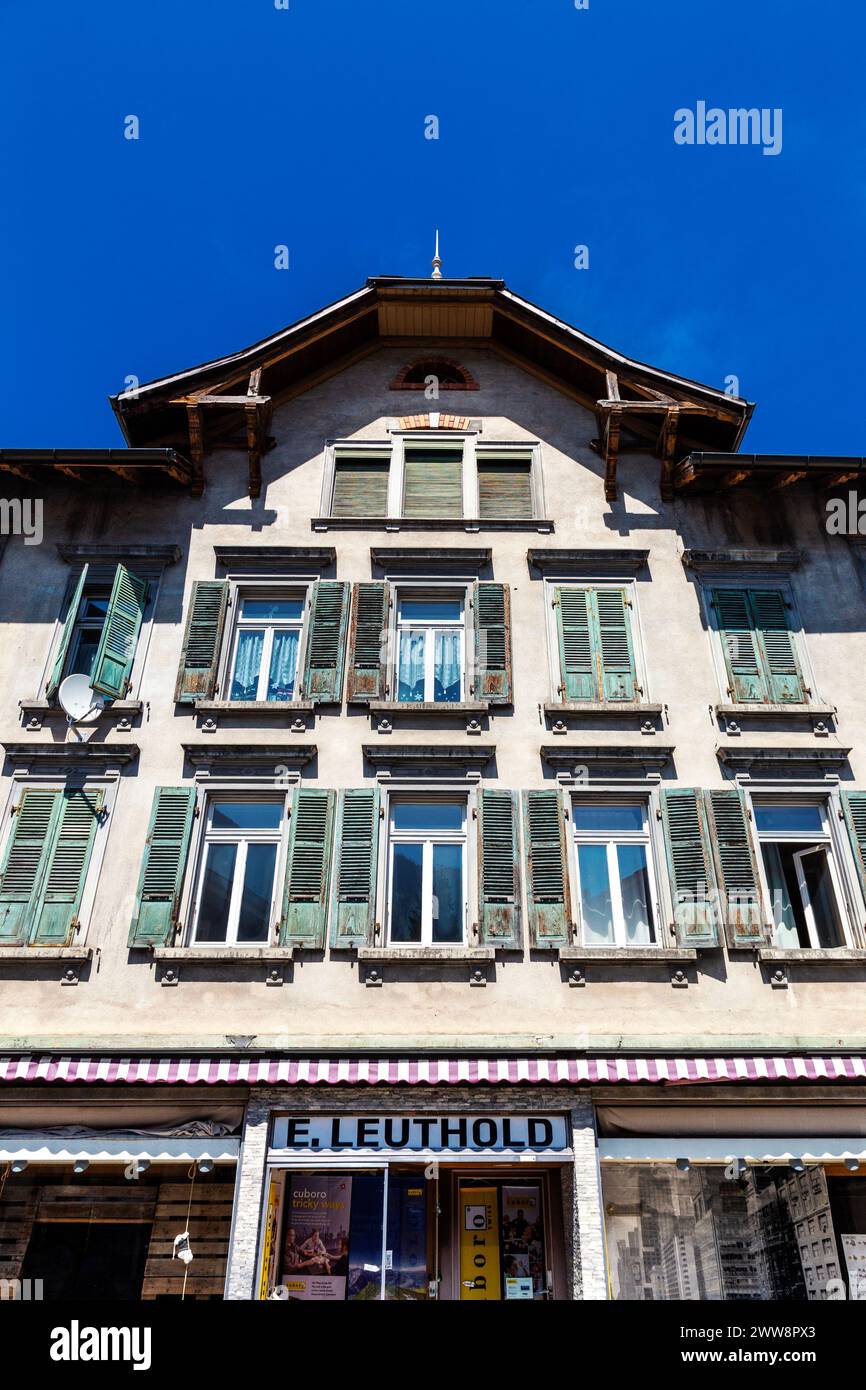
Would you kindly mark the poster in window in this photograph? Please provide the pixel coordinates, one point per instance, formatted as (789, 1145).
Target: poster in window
(523, 1237)
(480, 1279)
(407, 1238)
(316, 1244)
(854, 1247)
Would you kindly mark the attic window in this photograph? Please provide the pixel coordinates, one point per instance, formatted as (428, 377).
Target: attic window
(448, 375)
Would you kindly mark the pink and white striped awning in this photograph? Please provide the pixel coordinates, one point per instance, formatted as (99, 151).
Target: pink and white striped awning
(429, 1071)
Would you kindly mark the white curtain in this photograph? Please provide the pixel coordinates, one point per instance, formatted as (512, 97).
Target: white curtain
(247, 663)
(410, 666)
(284, 664)
(446, 658)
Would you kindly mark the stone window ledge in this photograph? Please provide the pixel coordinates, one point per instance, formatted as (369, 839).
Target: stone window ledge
(432, 523)
(756, 711)
(639, 954)
(421, 955)
(225, 954)
(22, 954)
(270, 707)
(600, 709)
(36, 712)
(840, 955)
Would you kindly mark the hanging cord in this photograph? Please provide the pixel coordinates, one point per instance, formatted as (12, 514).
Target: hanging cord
(192, 1175)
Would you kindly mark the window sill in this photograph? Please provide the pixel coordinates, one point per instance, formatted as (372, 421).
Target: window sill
(762, 711)
(439, 955)
(42, 953)
(433, 523)
(210, 953)
(639, 954)
(37, 712)
(269, 707)
(387, 711)
(833, 955)
(601, 709)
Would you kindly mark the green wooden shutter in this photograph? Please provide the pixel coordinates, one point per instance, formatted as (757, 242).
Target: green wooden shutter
(116, 651)
(504, 490)
(854, 810)
(614, 644)
(690, 867)
(736, 869)
(162, 868)
(326, 642)
(56, 912)
(576, 663)
(546, 854)
(199, 657)
(492, 643)
(27, 850)
(498, 871)
(433, 483)
(305, 897)
(368, 643)
(66, 634)
(746, 684)
(782, 669)
(360, 487)
(354, 905)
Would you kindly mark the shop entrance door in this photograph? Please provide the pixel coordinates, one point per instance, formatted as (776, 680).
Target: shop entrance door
(503, 1243)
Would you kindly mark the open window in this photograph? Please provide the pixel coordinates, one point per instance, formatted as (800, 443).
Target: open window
(801, 873)
(99, 631)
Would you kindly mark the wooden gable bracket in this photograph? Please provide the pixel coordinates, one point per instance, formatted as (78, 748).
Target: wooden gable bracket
(609, 415)
(256, 418)
(666, 447)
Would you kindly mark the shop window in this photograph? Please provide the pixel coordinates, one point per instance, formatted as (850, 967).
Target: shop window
(264, 659)
(235, 896)
(614, 876)
(801, 873)
(427, 878)
(431, 647)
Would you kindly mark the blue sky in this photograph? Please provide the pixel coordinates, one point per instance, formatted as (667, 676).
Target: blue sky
(305, 127)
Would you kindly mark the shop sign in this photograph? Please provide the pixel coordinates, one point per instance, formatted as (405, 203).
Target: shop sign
(483, 1134)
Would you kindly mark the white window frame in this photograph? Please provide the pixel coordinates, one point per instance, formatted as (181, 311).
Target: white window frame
(261, 586)
(419, 590)
(207, 836)
(712, 580)
(645, 837)
(584, 581)
(456, 795)
(827, 838)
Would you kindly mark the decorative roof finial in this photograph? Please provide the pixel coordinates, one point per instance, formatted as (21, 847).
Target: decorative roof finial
(437, 261)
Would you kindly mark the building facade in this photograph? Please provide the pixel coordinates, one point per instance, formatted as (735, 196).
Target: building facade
(445, 878)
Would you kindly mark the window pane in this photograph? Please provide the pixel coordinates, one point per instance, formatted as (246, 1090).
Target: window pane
(433, 610)
(247, 815)
(447, 893)
(284, 663)
(797, 819)
(634, 885)
(254, 919)
(610, 818)
(595, 902)
(216, 893)
(428, 815)
(446, 665)
(788, 919)
(84, 654)
(815, 868)
(94, 608)
(410, 666)
(248, 660)
(406, 893)
(276, 608)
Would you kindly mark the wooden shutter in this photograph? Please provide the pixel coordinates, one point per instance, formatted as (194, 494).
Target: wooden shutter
(854, 810)
(746, 684)
(546, 853)
(55, 914)
(66, 631)
(498, 872)
(433, 483)
(576, 663)
(736, 868)
(614, 644)
(354, 906)
(305, 897)
(504, 490)
(360, 487)
(690, 867)
(162, 868)
(368, 643)
(27, 850)
(205, 620)
(116, 651)
(782, 669)
(326, 642)
(492, 607)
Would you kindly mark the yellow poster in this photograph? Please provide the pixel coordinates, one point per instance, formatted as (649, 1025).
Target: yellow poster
(479, 1244)
(269, 1244)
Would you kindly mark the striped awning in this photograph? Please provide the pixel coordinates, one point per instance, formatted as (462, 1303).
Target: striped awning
(503, 1070)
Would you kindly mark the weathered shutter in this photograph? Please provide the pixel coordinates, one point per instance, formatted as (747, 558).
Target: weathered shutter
(360, 487)
(854, 810)
(305, 897)
(326, 642)
(736, 868)
(27, 850)
(116, 651)
(162, 868)
(615, 644)
(690, 867)
(746, 684)
(504, 490)
(784, 679)
(66, 634)
(368, 643)
(55, 914)
(205, 619)
(546, 855)
(498, 873)
(433, 483)
(492, 643)
(354, 898)
(576, 663)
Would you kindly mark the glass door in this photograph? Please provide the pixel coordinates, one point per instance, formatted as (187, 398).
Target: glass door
(503, 1248)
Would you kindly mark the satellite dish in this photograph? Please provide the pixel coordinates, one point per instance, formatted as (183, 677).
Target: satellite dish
(81, 703)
